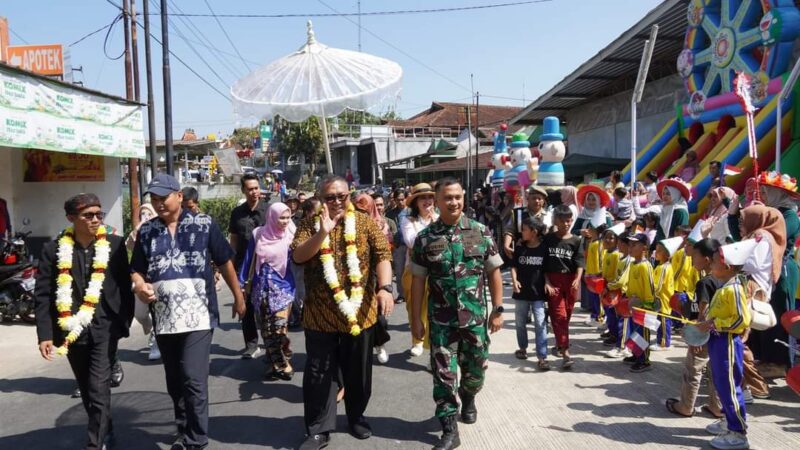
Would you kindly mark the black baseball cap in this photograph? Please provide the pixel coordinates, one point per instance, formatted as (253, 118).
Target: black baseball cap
(638, 237)
(162, 185)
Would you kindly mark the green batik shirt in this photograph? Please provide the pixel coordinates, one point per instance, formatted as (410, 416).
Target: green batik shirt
(455, 258)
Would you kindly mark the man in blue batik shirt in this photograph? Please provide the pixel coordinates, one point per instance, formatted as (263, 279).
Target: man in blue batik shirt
(172, 272)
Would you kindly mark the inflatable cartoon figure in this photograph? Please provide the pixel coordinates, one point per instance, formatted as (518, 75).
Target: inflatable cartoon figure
(552, 151)
(500, 159)
(517, 177)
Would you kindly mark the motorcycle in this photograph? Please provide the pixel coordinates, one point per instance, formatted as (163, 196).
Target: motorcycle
(17, 280)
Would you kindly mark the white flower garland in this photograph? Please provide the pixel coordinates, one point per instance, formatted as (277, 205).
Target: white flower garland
(74, 325)
(347, 306)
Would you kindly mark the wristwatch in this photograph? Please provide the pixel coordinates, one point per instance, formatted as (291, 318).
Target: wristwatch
(387, 287)
(498, 309)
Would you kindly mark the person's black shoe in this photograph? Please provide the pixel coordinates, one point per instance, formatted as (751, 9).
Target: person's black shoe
(117, 374)
(449, 439)
(76, 393)
(630, 360)
(315, 442)
(109, 441)
(360, 429)
(469, 413)
(606, 335)
(610, 341)
(641, 367)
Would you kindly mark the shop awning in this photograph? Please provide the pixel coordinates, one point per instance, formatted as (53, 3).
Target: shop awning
(40, 113)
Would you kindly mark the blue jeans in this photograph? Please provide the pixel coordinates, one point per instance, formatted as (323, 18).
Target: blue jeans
(521, 309)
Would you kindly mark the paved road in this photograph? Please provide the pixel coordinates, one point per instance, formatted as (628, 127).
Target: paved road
(598, 404)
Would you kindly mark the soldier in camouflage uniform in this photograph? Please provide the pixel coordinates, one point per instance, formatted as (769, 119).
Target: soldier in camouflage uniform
(456, 255)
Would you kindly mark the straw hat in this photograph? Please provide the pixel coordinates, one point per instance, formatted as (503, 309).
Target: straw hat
(417, 190)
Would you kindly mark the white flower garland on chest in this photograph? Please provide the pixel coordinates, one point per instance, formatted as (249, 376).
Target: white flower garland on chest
(348, 306)
(74, 325)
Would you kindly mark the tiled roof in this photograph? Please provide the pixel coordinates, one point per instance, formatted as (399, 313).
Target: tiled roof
(456, 164)
(453, 115)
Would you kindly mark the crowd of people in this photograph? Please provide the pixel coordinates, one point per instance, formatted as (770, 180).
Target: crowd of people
(337, 262)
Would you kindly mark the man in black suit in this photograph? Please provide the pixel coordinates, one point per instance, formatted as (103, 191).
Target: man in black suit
(91, 355)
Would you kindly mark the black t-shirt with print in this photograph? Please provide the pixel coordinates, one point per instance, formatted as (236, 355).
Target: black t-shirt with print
(529, 264)
(563, 255)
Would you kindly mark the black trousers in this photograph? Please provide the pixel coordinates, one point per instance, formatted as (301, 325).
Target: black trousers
(249, 328)
(91, 364)
(185, 357)
(329, 356)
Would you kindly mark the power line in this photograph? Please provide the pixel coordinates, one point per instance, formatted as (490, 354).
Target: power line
(88, 35)
(225, 96)
(18, 36)
(197, 53)
(199, 35)
(225, 32)
(408, 55)
(373, 13)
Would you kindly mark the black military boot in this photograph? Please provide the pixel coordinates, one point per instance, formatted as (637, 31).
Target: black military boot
(469, 413)
(449, 439)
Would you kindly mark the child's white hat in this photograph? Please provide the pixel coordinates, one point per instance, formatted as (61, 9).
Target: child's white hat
(672, 244)
(737, 253)
(696, 235)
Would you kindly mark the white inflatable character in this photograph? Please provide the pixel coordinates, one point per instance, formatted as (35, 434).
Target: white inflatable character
(552, 152)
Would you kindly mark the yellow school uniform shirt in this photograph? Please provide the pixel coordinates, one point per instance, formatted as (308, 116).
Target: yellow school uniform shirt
(638, 282)
(665, 286)
(623, 265)
(729, 309)
(594, 258)
(682, 268)
(610, 261)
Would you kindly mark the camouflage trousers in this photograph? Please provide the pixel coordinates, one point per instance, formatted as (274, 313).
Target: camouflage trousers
(453, 348)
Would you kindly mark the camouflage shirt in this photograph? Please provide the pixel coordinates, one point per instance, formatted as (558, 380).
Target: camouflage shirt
(455, 258)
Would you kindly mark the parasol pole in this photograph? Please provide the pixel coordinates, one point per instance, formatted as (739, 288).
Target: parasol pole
(323, 123)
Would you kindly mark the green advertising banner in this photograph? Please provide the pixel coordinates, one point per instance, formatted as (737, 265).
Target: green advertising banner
(48, 116)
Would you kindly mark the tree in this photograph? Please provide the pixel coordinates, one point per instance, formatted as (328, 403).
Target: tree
(298, 139)
(243, 136)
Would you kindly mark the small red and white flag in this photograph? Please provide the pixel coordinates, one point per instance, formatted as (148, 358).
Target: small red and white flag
(732, 170)
(646, 319)
(636, 344)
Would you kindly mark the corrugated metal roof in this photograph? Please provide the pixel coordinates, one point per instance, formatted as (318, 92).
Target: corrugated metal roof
(614, 68)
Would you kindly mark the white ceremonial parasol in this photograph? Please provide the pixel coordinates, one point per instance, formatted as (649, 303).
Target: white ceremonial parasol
(316, 80)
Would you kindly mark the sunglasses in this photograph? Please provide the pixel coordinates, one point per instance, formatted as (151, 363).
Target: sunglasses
(332, 198)
(90, 215)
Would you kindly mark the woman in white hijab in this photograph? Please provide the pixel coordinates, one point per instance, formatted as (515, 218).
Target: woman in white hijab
(674, 195)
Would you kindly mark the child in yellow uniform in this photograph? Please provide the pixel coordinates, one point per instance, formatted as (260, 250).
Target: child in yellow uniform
(686, 276)
(665, 288)
(639, 283)
(594, 266)
(617, 283)
(609, 272)
(727, 317)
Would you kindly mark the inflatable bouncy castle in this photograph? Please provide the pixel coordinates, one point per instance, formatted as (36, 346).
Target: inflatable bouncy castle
(723, 38)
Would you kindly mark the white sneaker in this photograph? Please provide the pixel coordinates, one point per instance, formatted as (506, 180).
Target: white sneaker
(383, 356)
(590, 322)
(730, 440)
(748, 397)
(601, 326)
(658, 348)
(626, 353)
(250, 353)
(717, 427)
(155, 353)
(614, 353)
(417, 350)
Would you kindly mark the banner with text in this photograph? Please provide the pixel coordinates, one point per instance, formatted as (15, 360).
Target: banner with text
(48, 116)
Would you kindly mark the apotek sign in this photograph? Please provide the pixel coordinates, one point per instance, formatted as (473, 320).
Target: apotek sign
(41, 59)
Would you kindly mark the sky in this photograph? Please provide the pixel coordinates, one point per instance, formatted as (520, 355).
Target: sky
(514, 53)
